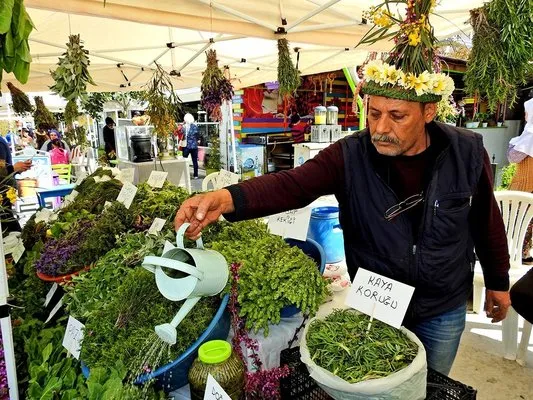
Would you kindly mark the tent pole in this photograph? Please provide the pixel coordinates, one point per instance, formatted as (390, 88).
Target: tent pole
(238, 14)
(311, 14)
(323, 60)
(153, 61)
(318, 27)
(207, 45)
(338, 13)
(172, 51)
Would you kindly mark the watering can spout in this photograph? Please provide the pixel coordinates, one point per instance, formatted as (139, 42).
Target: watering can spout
(167, 332)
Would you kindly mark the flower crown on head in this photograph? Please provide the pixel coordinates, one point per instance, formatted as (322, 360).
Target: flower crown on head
(407, 73)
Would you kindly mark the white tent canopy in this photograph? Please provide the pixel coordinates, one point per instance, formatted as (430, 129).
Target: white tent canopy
(176, 33)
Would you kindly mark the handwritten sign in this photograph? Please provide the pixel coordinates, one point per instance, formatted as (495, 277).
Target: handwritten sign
(226, 178)
(381, 297)
(18, 251)
(127, 175)
(213, 390)
(157, 179)
(55, 310)
(50, 294)
(127, 194)
(291, 224)
(156, 226)
(73, 337)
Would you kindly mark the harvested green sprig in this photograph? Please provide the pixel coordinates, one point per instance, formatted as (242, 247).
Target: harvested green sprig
(288, 76)
(340, 344)
(21, 102)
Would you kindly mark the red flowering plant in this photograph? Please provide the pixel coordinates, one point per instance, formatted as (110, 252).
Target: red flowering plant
(260, 383)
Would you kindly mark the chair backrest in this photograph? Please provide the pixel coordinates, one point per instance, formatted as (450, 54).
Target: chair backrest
(517, 212)
(75, 155)
(63, 170)
(210, 179)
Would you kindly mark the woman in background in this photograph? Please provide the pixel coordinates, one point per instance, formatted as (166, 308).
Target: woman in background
(298, 128)
(58, 155)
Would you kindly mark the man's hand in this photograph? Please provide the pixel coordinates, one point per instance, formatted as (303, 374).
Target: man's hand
(202, 210)
(22, 166)
(497, 304)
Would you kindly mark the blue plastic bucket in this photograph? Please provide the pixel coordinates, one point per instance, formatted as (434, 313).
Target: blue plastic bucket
(174, 375)
(325, 229)
(314, 251)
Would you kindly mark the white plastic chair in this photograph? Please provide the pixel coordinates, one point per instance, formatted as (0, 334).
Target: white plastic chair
(210, 179)
(517, 211)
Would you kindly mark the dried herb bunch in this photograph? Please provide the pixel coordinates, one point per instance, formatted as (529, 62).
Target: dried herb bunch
(501, 50)
(71, 113)
(216, 88)
(164, 105)
(21, 102)
(288, 76)
(72, 74)
(44, 119)
(15, 28)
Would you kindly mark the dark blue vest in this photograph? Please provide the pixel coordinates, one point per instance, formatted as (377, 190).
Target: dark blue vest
(440, 263)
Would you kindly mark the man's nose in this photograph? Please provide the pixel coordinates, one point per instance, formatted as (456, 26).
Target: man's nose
(383, 125)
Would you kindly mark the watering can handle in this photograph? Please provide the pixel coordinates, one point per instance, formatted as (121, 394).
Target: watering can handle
(150, 261)
(181, 233)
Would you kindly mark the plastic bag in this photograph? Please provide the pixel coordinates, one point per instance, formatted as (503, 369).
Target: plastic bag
(408, 383)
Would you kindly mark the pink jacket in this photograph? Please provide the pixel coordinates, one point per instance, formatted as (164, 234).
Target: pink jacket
(59, 156)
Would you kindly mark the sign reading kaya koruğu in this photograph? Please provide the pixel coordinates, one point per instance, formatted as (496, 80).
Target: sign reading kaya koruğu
(380, 297)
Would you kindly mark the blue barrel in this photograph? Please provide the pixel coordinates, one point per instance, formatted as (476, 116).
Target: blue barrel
(325, 229)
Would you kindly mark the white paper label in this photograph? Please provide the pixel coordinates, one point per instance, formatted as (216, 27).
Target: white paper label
(18, 251)
(383, 297)
(156, 226)
(81, 176)
(55, 310)
(157, 179)
(127, 194)
(127, 175)
(73, 194)
(50, 294)
(291, 224)
(226, 178)
(213, 390)
(73, 337)
(107, 204)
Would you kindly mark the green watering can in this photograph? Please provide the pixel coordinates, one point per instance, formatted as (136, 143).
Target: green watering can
(186, 274)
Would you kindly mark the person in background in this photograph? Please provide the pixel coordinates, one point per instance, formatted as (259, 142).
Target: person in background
(298, 128)
(109, 136)
(41, 138)
(521, 152)
(47, 146)
(192, 136)
(58, 155)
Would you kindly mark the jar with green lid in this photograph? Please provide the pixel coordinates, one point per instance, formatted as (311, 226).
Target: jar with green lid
(216, 358)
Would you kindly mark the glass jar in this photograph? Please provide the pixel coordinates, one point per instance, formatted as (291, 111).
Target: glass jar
(332, 115)
(320, 115)
(216, 358)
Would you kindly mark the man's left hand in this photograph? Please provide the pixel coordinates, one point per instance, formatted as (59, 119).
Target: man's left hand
(497, 304)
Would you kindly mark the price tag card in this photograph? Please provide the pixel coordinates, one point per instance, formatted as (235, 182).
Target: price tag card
(157, 225)
(127, 194)
(127, 175)
(291, 224)
(381, 297)
(18, 251)
(157, 179)
(226, 178)
(55, 310)
(213, 390)
(73, 337)
(107, 204)
(50, 294)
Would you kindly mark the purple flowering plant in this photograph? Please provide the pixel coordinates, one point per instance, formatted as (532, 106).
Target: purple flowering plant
(4, 389)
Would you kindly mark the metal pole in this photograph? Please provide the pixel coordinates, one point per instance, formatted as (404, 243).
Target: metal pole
(338, 13)
(323, 60)
(5, 326)
(239, 14)
(319, 27)
(312, 14)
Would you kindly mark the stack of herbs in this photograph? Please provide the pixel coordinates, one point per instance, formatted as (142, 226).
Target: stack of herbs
(216, 88)
(341, 344)
(43, 118)
(272, 274)
(21, 102)
(288, 75)
(15, 28)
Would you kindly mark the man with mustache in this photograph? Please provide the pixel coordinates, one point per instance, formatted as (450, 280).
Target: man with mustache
(415, 199)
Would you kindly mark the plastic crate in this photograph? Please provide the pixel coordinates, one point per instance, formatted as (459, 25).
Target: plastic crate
(320, 134)
(440, 387)
(298, 385)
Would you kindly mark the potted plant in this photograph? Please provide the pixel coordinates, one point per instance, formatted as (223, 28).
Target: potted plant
(483, 118)
(447, 111)
(212, 161)
(472, 123)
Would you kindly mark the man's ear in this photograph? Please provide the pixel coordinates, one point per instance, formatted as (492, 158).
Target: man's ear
(430, 110)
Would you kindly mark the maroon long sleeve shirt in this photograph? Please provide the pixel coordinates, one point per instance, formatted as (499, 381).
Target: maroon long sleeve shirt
(407, 175)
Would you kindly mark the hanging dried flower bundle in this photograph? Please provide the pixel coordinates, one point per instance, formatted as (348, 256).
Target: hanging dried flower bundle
(44, 119)
(216, 88)
(71, 113)
(72, 74)
(21, 102)
(288, 76)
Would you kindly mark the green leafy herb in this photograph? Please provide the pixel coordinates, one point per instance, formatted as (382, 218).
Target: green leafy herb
(21, 102)
(340, 344)
(44, 119)
(288, 76)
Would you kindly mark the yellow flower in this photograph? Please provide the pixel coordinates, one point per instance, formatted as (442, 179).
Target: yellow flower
(372, 70)
(12, 195)
(393, 75)
(382, 18)
(414, 38)
(410, 81)
(423, 84)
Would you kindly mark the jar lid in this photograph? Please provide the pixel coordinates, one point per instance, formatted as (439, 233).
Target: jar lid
(333, 108)
(320, 108)
(214, 352)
